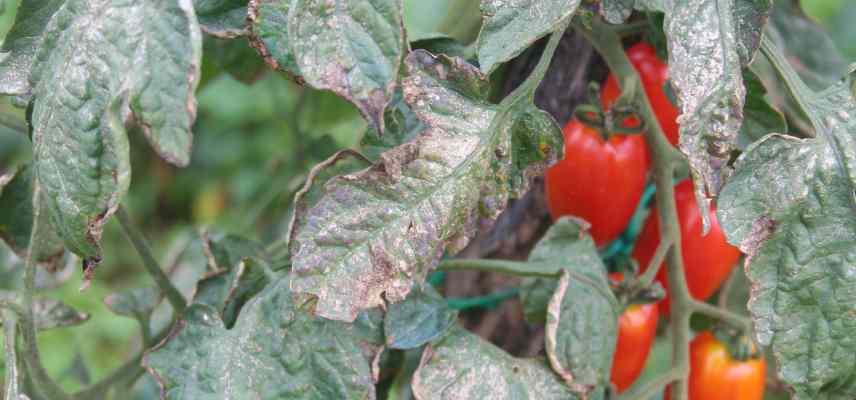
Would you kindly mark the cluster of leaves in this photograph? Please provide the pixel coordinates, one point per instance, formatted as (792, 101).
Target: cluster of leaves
(438, 164)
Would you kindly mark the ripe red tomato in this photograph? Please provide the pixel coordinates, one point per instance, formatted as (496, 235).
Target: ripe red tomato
(599, 180)
(637, 327)
(707, 259)
(715, 375)
(654, 74)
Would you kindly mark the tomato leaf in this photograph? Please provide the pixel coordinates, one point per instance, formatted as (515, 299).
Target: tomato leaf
(790, 207)
(269, 34)
(709, 43)
(93, 65)
(582, 315)
(760, 118)
(616, 11)
(22, 42)
(222, 18)
(50, 313)
(422, 317)
(135, 302)
(510, 27)
(237, 274)
(566, 244)
(275, 351)
(423, 197)
(401, 126)
(16, 219)
(465, 367)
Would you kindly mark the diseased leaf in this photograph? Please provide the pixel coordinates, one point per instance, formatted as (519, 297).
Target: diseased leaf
(401, 126)
(616, 11)
(275, 351)
(16, 219)
(351, 47)
(790, 207)
(422, 317)
(49, 313)
(465, 367)
(760, 118)
(134, 303)
(376, 232)
(98, 62)
(269, 34)
(22, 42)
(709, 42)
(565, 245)
(511, 26)
(222, 18)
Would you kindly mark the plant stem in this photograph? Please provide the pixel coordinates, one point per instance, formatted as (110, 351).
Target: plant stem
(651, 388)
(655, 263)
(10, 325)
(725, 291)
(516, 268)
(608, 44)
(737, 321)
(41, 380)
(176, 299)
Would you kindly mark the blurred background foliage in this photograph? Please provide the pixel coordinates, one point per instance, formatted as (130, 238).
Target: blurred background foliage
(255, 137)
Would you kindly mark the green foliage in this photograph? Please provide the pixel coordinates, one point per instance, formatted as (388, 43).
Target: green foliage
(318, 289)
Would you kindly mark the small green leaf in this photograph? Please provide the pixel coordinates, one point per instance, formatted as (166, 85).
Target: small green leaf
(16, 219)
(134, 302)
(465, 367)
(275, 351)
(423, 197)
(269, 34)
(566, 244)
(709, 43)
(511, 27)
(422, 317)
(222, 18)
(817, 59)
(759, 117)
(401, 126)
(22, 42)
(351, 47)
(96, 64)
(616, 11)
(50, 314)
(790, 207)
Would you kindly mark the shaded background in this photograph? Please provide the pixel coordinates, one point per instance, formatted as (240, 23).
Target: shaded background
(255, 135)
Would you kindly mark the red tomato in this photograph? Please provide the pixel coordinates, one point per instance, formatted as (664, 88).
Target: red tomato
(654, 74)
(637, 327)
(707, 259)
(599, 180)
(715, 375)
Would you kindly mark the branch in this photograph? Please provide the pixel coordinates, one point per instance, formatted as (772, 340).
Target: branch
(176, 299)
(10, 325)
(32, 359)
(737, 321)
(665, 156)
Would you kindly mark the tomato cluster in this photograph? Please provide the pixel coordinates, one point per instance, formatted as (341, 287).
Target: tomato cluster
(601, 180)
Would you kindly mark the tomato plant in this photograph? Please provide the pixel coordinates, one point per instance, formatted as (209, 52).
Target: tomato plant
(715, 374)
(347, 199)
(708, 259)
(597, 171)
(655, 76)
